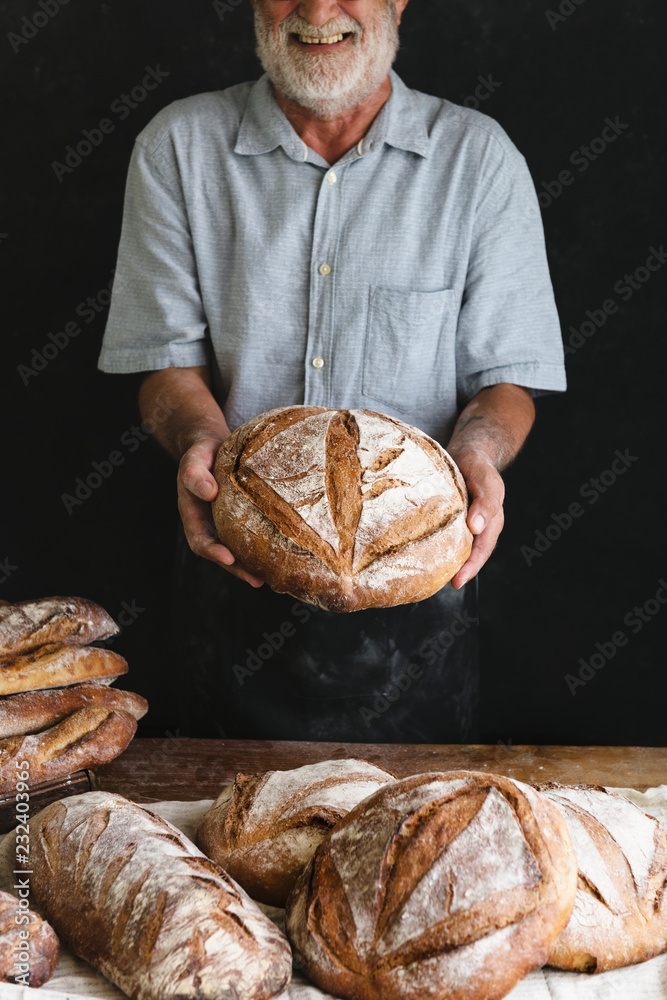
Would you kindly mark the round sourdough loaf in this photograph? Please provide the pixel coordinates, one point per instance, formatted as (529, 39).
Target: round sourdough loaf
(620, 909)
(444, 886)
(264, 828)
(345, 509)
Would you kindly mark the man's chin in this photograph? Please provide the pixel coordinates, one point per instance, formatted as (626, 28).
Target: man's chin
(325, 106)
(326, 95)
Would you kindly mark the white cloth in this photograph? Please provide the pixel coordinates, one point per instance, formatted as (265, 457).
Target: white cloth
(74, 978)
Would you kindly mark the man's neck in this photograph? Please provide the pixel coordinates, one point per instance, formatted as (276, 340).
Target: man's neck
(333, 137)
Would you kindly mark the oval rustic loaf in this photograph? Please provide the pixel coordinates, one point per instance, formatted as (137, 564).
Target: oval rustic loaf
(29, 624)
(126, 891)
(345, 509)
(445, 886)
(88, 737)
(264, 828)
(620, 909)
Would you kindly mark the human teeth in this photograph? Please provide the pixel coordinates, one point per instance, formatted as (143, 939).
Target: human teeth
(311, 40)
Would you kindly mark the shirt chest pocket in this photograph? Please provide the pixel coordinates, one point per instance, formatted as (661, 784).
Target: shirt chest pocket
(409, 348)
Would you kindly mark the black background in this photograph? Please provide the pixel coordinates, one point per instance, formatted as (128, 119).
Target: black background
(556, 78)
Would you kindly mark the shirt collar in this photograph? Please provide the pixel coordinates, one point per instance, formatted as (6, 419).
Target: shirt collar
(264, 126)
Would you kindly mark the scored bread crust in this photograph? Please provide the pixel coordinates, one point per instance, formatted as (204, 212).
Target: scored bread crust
(28, 624)
(264, 828)
(86, 738)
(32, 711)
(443, 886)
(59, 664)
(620, 909)
(130, 894)
(344, 509)
(41, 943)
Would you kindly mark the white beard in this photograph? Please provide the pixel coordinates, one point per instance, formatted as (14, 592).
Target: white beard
(332, 82)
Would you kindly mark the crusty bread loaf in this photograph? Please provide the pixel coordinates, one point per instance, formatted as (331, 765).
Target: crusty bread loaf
(33, 711)
(127, 892)
(28, 624)
(620, 909)
(28, 945)
(446, 886)
(58, 665)
(264, 828)
(90, 736)
(345, 509)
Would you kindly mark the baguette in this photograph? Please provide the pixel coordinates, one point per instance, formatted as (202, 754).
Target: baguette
(28, 624)
(90, 736)
(58, 665)
(33, 958)
(33, 711)
(127, 892)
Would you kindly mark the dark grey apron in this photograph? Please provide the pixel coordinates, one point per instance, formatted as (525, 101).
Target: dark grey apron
(258, 665)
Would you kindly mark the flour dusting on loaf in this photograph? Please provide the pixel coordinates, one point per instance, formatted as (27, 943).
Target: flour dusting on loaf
(130, 894)
(265, 828)
(345, 509)
(620, 909)
(450, 885)
(28, 624)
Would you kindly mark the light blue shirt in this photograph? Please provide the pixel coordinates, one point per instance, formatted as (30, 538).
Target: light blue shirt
(404, 278)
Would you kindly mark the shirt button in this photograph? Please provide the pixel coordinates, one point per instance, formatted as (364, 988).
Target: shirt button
(318, 362)
(331, 177)
(325, 269)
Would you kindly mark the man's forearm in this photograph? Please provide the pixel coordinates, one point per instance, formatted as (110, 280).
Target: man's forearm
(495, 423)
(193, 413)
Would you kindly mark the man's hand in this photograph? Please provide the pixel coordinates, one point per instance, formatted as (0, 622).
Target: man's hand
(485, 514)
(487, 437)
(196, 489)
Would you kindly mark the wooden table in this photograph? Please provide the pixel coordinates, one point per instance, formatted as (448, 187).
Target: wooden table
(188, 769)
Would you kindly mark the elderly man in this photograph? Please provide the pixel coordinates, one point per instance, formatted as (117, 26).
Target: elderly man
(328, 236)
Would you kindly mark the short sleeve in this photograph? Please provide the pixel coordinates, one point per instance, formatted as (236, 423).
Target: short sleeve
(508, 328)
(156, 317)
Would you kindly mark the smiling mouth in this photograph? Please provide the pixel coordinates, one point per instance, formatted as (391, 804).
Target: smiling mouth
(322, 40)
